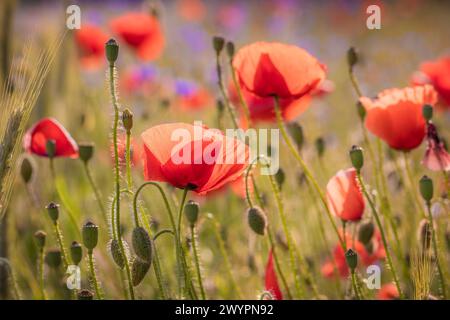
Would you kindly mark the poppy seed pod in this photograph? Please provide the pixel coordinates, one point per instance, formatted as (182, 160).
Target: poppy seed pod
(127, 120)
(357, 157)
(39, 238)
(352, 259)
(85, 295)
(142, 244)
(424, 234)
(230, 49)
(426, 188)
(427, 112)
(296, 132)
(257, 220)
(26, 169)
(112, 50)
(218, 44)
(116, 253)
(53, 258)
(53, 211)
(365, 231)
(50, 148)
(86, 151)
(191, 211)
(90, 235)
(352, 57)
(139, 269)
(320, 146)
(280, 177)
(76, 252)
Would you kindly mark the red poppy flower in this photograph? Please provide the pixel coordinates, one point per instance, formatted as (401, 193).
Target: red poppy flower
(344, 196)
(395, 116)
(192, 156)
(268, 69)
(91, 44)
(142, 32)
(388, 292)
(271, 281)
(196, 100)
(35, 139)
(436, 73)
(436, 157)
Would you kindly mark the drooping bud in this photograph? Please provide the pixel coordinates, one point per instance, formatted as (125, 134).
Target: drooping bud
(85, 295)
(142, 244)
(218, 44)
(139, 269)
(427, 112)
(280, 177)
(357, 157)
(50, 148)
(86, 151)
(26, 169)
(320, 146)
(352, 259)
(361, 111)
(296, 132)
(90, 235)
(76, 252)
(191, 211)
(257, 220)
(352, 57)
(53, 258)
(39, 238)
(53, 211)
(230, 49)
(366, 230)
(116, 253)
(127, 120)
(424, 234)
(426, 188)
(112, 50)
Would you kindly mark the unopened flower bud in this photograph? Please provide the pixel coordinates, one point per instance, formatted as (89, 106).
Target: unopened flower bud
(142, 244)
(352, 259)
(39, 238)
(257, 220)
(230, 49)
(53, 211)
(357, 157)
(320, 146)
(139, 269)
(218, 44)
(86, 151)
(191, 211)
(424, 234)
(116, 253)
(50, 148)
(426, 188)
(26, 169)
(90, 235)
(127, 120)
(352, 57)
(76, 252)
(365, 231)
(53, 258)
(427, 112)
(85, 295)
(280, 177)
(296, 132)
(112, 50)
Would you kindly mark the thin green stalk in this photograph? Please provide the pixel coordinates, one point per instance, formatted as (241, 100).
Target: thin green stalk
(240, 95)
(197, 262)
(277, 263)
(412, 185)
(94, 275)
(128, 160)
(59, 238)
(355, 285)
(95, 189)
(41, 273)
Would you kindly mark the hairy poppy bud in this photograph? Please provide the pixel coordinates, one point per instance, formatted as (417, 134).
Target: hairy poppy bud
(86, 151)
(85, 295)
(424, 234)
(50, 148)
(257, 220)
(139, 269)
(116, 253)
(127, 120)
(142, 244)
(53, 211)
(426, 188)
(191, 211)
(427, 112)
(76, 252)
(320, 146)
(218, 44)
(357, 157)
(230, 49)
(361, 111)
(280, 177)
(352, 57)
(53, 258)
(352, 259)
(26, 169)
(112, 50)
(296, 132)
(365, 231)
(39, 238)
(90, 235)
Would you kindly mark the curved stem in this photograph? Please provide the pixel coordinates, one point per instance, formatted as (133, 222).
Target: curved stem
(197, 262)
(160, 233)
(94, 275)
(277, 263)
(128, 160)
(95, 189)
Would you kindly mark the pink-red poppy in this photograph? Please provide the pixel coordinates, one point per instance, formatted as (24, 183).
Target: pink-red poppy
(436, 157)
(344, 197)
(395, 116)
(269, 69)
(271, 280)
(35, 139)
(91, 41)
(192, 156)
(196, 100)
(142, 32)
(388, 292)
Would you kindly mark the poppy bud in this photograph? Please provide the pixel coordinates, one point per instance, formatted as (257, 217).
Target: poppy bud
(127, 120)
(218, 43)
(50, 148)
(53, 258)
(357, 157)
(39, 238)
(90, 235)
(427, 112)
(426, 188)
(26, 169)
(352, 259)
(112, 50)
(352, 57)
(191, 211)
(85, 295)
(230, 49)
(365, 231)
(86, 151)
(280, 177)
(142, 244)
(320, 146)
(139, 269)
(361, 111)
(296, 132)
(257, 220)
(76, 252)
(116, 253)
(53, 211)
(424, 234)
